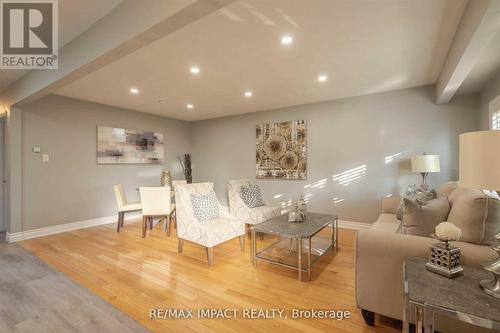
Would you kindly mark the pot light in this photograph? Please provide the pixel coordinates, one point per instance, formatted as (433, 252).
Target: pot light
(134, 91)
(248, 93)
(286, 40)
(189, 106)
(322, 78)
(194, 70)
(162, 101)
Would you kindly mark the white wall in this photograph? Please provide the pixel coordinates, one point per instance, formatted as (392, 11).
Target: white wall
(342, 135)
(71, 187)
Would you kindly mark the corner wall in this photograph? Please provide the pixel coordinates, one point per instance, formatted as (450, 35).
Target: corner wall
(490, 92)
(376, 132)
(72, 187)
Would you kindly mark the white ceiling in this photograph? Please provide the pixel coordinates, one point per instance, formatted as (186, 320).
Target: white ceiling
(75, 16)
(485, 69)
(363, 46)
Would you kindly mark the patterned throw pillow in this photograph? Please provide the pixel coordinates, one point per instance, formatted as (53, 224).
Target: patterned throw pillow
(205, 206)
(251, 195)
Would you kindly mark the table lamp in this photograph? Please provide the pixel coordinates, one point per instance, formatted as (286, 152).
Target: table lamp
(480, 169)
(425, 164)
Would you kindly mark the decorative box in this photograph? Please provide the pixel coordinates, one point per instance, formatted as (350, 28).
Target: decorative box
(444, 260)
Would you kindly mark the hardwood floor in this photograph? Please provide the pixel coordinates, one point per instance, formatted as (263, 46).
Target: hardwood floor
(36, 298)
(136, 274)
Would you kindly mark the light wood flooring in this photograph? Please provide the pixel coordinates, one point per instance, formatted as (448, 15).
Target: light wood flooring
(136, 274)
(35, 298)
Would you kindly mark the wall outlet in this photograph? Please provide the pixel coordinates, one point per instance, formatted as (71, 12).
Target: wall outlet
(37, 149)
(45, 157)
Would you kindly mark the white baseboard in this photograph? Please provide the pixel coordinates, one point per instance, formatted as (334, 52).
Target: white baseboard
(34, 233)
(354, 225)
(56, 229)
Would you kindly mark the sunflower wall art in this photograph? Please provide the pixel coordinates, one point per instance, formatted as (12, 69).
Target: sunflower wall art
(282, 150)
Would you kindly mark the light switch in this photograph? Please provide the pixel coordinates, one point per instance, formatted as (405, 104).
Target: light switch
(45, 157)
(36, 149)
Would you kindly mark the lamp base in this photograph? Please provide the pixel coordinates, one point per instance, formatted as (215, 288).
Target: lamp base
(491, 287)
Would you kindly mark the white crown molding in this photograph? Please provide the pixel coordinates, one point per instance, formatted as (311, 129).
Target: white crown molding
(56, 229)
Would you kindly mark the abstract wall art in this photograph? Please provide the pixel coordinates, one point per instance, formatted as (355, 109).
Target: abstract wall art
(128, 146)
(281, 150)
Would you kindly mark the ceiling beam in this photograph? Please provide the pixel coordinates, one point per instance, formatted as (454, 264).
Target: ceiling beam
(128, 27)
(479, 25)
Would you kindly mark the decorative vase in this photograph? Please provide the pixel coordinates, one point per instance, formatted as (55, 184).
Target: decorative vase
(166, 179)
(492, 287)
(444, 260)
(187, 168)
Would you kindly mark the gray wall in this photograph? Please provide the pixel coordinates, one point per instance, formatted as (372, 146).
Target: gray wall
(3, 215)
(342, 135)
(71, 186)
(490, 92)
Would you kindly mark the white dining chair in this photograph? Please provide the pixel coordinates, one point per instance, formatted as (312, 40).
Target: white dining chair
(156, 203)
(123, 205)
(176, 183)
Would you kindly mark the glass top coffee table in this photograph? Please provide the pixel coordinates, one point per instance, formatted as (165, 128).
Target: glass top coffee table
(299, 243)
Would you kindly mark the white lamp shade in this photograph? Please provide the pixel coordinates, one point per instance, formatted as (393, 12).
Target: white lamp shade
(425, 163)
(480, 160)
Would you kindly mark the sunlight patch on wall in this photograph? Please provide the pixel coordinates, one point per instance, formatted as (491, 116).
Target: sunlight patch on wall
(392, 158)
(337, 201)
(347, 177)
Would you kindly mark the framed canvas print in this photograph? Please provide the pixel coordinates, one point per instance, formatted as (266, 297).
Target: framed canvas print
(128, 146)
(281, 150)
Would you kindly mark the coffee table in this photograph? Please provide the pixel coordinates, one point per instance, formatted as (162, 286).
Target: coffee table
(298, 243)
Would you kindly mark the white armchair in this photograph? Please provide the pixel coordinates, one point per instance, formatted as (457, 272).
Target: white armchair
(207, 234)
(241, 211)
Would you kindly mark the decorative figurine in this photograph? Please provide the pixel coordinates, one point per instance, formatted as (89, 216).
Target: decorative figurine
(445, 258)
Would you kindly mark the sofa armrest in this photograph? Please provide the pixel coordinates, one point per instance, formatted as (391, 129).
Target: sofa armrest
(390, 204)
(379, 267)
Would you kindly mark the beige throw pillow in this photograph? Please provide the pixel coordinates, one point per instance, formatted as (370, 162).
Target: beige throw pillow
(445, 189)
(477, 214)
(420, 220)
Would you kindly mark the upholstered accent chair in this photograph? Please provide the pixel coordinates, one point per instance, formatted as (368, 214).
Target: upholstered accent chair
(123, 205)
(208, 234)
(241, 211)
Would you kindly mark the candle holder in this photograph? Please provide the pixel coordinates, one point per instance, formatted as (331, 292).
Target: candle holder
(492, 287)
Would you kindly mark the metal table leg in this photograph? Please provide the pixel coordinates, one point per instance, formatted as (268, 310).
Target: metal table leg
(309, 260)
(336, 233)
(428, 319)
(419, 318)
(299, 251)
(254, 249)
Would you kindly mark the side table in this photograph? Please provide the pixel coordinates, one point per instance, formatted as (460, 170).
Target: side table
(427, 294)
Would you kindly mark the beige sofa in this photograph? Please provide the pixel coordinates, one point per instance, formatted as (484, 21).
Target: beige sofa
(380, 252)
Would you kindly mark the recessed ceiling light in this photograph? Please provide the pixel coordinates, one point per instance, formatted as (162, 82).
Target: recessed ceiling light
(162, 101)
(248, 93)
(189, 106)
(286, 40)
(134, 91)
(322, 78)
(194, 70)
